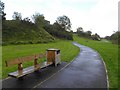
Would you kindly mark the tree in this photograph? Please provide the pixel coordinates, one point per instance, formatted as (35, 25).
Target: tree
(17, 16)
(107, 37)
(89, 33)
(96, 37)
(38, 19)
(80, 32)
(26, 19)
(64, 21)
(2, 6)
(115, 37)
(79, 29)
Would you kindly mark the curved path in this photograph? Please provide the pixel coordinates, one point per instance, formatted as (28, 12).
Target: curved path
(85, 71)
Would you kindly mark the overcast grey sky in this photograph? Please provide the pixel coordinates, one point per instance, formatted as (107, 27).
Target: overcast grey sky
(98, 16)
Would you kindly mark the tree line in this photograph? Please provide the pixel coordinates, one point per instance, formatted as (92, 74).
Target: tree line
(88, 34)
(37, 30)
(115, 37)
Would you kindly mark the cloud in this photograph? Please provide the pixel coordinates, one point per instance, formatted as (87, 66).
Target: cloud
(104, 17)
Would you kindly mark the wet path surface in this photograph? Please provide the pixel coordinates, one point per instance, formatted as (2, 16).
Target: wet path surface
(86, 71)
(32, 79)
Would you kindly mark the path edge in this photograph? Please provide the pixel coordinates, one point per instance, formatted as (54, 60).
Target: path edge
(104, 65)
(105, 69)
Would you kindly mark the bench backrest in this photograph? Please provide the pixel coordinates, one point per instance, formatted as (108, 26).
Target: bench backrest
(23, 59)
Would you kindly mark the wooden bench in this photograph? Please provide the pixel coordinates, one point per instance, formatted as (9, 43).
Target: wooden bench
(24, 71)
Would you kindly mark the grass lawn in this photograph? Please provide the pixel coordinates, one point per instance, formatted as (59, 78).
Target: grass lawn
(109, 53)
(68, 52)
(0, 62)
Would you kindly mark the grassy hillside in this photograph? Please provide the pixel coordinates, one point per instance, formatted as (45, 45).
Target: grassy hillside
(19, 32)
(109, 52)
(68, 52)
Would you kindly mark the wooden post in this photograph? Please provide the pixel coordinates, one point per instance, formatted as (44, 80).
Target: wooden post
(36, 63)
(20, 68)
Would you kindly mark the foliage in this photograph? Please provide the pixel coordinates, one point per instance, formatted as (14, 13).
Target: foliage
(109, 53)
(23, 32)
(2, 6)
(96, 37)
(88, 34)
(38, 20)
(27, 21)
(107, 37)
(64, 22)
(80, 32)
(115, 37)
(17, 16)
(57, 31)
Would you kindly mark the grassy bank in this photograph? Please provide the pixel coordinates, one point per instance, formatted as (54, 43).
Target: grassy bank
(68, 52)
(109, 53)
(0, 61)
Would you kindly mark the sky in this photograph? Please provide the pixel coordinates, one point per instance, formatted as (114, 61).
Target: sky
(98, 16)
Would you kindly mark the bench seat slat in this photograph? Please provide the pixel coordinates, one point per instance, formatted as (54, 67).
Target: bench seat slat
(25, 72)
(29, 70)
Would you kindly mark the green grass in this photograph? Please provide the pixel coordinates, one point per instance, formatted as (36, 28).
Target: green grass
(109, 53)
(68, 52)
(0, 62)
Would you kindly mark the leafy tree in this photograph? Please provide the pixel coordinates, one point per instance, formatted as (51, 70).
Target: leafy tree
(27, 21)
(64, 21)
(2, 6)
(57, 31)
(89, 33)
(96, 37)
(17, 16)
(115, 37)
(80, 32)
(79, 29)
(38, 19)
(107, 37)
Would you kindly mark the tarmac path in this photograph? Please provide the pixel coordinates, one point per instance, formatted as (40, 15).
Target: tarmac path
(87, 70)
